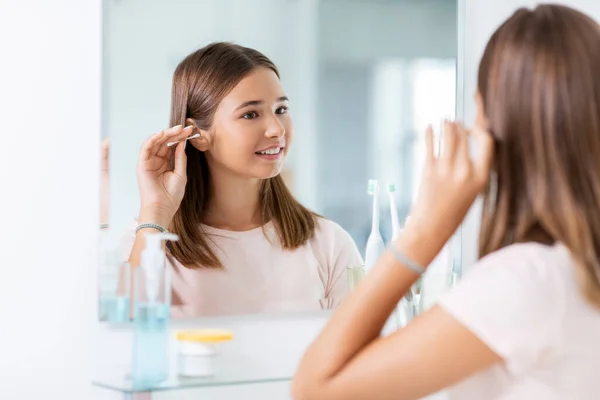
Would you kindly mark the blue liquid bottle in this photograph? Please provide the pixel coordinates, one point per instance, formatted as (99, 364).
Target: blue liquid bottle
(151, 314)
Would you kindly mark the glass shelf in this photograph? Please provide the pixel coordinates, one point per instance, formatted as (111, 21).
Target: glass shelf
(231, 371)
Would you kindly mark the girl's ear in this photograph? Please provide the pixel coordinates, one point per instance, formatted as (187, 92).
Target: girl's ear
(201, 143)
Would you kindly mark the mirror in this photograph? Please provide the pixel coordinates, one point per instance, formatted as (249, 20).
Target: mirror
(363, 78)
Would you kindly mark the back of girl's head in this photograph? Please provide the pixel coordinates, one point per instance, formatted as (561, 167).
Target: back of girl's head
(200, 83)
(539, 84)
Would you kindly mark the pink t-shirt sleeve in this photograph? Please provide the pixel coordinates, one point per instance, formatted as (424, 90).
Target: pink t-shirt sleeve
(512, 302)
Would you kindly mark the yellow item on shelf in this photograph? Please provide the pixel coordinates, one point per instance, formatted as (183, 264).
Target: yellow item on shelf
(204, 336)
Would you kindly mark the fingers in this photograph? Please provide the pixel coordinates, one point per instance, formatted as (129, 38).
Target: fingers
(449, 142)
(462, 143)
(180, 163)
(150, 147)
(156, 155)
(455, 140)
(174, 135)
(170, 133)
(429, 145)
(156, 144)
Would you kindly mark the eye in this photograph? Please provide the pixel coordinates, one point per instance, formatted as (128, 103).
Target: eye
(281, 110)
(250, 115)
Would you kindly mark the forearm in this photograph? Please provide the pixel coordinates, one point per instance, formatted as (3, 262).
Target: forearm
(360, 318)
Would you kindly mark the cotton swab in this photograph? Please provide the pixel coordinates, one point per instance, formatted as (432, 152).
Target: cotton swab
(197, 135)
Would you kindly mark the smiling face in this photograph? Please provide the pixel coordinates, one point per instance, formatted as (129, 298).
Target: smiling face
(252, 130)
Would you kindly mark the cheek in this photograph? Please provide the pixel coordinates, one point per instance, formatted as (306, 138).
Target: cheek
(234, 142)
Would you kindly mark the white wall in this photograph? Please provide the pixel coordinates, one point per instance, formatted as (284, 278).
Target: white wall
(49, 166)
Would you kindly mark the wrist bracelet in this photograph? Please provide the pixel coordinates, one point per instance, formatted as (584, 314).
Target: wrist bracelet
(150, 225)
(405, 261)
(103, 226)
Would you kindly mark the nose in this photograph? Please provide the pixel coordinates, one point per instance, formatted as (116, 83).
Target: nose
(275, 128)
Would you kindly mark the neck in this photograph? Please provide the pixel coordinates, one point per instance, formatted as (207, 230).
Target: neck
(234, 202)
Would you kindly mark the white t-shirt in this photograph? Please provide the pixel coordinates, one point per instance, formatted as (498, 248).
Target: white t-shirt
(524, 302)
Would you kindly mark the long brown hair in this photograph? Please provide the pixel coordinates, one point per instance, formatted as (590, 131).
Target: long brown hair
(200, 82)
(539, 82)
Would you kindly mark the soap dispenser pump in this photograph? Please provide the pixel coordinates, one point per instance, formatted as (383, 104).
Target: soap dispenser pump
(151, 311)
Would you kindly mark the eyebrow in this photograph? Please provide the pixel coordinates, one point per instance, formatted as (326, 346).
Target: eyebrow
(259, 102)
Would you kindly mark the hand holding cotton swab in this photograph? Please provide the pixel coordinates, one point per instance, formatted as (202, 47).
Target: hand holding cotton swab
(197, 135)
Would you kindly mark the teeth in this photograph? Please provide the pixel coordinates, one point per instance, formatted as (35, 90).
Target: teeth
(271, 151)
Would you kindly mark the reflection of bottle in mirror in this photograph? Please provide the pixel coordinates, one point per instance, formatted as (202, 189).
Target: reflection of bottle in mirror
(152, 301)
(114, 278)
(375, 245)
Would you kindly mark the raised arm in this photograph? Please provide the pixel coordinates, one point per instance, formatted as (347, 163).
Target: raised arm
(349, 360)
(161, 185)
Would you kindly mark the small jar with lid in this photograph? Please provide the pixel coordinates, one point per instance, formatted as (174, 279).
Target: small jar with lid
(197, 351)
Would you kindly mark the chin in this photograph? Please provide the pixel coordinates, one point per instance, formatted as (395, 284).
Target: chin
(272, 174)
(264, 173)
